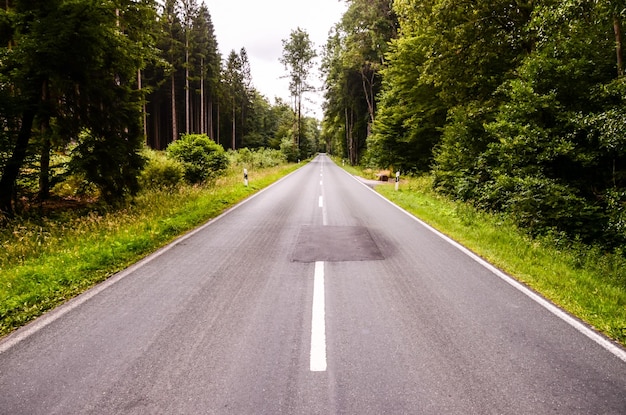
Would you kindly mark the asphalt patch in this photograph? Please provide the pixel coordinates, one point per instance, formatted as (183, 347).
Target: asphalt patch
(335, 244)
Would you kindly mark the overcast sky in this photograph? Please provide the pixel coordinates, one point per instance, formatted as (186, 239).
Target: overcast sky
(261, 25)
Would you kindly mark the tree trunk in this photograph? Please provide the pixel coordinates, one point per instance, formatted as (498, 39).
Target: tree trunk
(202, 124)
(174, 127)
(210, 120)
(617, 29)
(234, 126)
(299, 120)
(218, 129)
(368, 89)
(44, 162)
(144, 111)
(352, 157)
(242, 131)
(13, 165)
(187, 104)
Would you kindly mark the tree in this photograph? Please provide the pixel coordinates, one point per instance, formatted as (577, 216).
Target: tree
(298, 55)
(491, 38)
(353, 59)
(368, 27)
(410, 114)
(557, 161)
(235, 89)
(174, 42)
(42, 86)
(185, 83)
(207, 54)
(189, 13)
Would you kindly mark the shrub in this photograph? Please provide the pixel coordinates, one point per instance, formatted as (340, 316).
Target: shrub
(201, 157)
(289, 149)
(161, 171)
(259, 158)
(76, 185)
(109, 160)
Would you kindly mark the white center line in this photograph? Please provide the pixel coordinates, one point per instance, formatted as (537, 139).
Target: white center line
(318, 322)
(321, 201)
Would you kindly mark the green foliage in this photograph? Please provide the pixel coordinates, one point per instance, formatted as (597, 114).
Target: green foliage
(71, 66)
(258, 158)
(410, 115)
(298, 58)
(354, 56)
(76, 186)
(289, 149)
(515, 106)
(200, 156)
(556, 153)
(161, 171)
(459, 160)
(111, 162)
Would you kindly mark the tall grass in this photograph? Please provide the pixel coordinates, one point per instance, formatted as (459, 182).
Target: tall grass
(46, 261)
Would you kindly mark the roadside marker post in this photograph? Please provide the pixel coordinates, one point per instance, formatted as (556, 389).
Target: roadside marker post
(245, 177)
(397, 180)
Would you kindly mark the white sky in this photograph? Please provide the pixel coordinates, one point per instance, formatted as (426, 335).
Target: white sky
(261, 25)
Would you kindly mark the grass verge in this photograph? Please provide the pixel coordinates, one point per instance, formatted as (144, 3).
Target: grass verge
(46, 261)
(585, 281)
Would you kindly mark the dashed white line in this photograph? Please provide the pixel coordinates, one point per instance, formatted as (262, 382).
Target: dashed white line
(318, 322)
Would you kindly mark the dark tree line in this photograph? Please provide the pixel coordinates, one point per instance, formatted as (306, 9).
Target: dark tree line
(90, 82)
(69, 72)
(193, 89)
(353, 59)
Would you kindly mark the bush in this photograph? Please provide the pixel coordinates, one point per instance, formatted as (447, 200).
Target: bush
(76, 185)
(541, 205)
(161, 171)
(289, 149)
(260, 158)
(109, 160)
(201, 157)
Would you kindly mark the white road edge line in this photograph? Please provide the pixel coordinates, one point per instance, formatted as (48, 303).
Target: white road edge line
(581, 327)
(318, 322)
(50, 317)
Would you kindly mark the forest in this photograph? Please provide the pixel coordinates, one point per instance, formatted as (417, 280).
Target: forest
(87, 85)
(516, 107)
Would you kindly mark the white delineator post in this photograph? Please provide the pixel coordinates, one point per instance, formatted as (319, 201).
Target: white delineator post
(245, 177)
(397, 180)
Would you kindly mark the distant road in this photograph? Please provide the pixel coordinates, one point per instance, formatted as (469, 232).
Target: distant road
(316, 296)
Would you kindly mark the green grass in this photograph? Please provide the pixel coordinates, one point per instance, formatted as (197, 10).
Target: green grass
(583, 280)
(46, 261)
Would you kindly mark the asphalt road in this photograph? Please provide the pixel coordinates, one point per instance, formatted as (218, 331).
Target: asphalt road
(316, 296)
